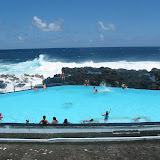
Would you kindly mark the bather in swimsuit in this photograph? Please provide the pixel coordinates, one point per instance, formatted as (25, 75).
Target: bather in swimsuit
(106, 117)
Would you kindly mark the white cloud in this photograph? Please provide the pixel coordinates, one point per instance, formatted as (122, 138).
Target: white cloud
(101, 37)
(56, 26)
(109, 27)
(20, 38)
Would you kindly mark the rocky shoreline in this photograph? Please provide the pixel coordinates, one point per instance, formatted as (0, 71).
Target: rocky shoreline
(12, 83)
(141, 79)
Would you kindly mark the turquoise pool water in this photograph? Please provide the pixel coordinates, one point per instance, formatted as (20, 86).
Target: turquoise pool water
(78, 103)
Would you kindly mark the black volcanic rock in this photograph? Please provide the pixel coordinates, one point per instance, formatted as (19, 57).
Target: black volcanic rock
(2, 85)
(141, 79)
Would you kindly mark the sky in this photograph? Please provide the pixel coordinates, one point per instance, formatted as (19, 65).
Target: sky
(79, 23)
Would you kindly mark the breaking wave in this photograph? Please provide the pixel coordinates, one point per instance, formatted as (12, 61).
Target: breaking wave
(48, 67)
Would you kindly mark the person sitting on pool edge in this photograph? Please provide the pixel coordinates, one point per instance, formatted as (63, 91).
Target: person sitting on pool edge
(44, 121)
(106, 115)
(54, 121)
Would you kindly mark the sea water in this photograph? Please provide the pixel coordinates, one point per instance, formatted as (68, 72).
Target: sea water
(78, 103)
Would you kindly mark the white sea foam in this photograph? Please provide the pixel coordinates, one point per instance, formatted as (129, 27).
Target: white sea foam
(48, 68)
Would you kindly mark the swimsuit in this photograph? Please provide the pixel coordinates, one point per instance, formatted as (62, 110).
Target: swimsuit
(44, 122)
(106, 117)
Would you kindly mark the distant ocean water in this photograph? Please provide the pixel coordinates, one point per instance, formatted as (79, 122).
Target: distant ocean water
(50, 61)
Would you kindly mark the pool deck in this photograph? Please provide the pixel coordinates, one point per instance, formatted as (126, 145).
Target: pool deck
(80, 141)
(96, 130)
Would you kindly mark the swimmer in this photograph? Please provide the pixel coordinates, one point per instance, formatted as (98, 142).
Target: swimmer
(91, 120)
(96, 91)
(136, 118)
(124, 86)
(44, 86)
(94, 88)
(54, 121)
(66, 121)
(36, 89)
(27, 121)
(44, 121)
(69, 103)
(106, 115)
(1, 117)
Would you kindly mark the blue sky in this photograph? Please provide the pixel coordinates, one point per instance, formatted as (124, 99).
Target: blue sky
(79, 23)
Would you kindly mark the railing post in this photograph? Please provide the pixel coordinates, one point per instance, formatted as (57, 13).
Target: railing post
(31, 84)
(14, 89)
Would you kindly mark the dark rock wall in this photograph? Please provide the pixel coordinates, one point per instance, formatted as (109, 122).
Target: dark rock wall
(141, 79)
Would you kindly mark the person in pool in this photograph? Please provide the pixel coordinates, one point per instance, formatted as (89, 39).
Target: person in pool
(124, 86)
(1, 117)
(136, 119)
(27, 121)
(44, 121)
(106, 115)
(96, 91)
(54, 121)
(91, 120)
(66, 121)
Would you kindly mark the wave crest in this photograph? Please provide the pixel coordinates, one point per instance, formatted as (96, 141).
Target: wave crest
(45, 66)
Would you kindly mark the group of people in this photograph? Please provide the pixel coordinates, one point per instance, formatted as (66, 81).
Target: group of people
(96, 91)
(55, 121)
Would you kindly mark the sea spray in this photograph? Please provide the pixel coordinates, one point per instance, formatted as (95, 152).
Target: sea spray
(105, 86)
(19, 82)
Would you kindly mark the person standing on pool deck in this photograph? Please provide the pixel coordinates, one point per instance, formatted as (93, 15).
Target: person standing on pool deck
(106, 115)
(44, 121)
(63, 77)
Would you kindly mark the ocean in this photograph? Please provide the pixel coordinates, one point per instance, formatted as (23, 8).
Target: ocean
(48, 62)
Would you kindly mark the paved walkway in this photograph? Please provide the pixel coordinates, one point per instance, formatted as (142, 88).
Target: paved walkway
(144, 150)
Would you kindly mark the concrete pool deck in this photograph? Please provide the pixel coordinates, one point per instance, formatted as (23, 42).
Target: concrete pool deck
(80, 141)
(36, 131)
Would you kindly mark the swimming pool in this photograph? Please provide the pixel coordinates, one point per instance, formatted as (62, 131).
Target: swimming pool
(77, 103)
